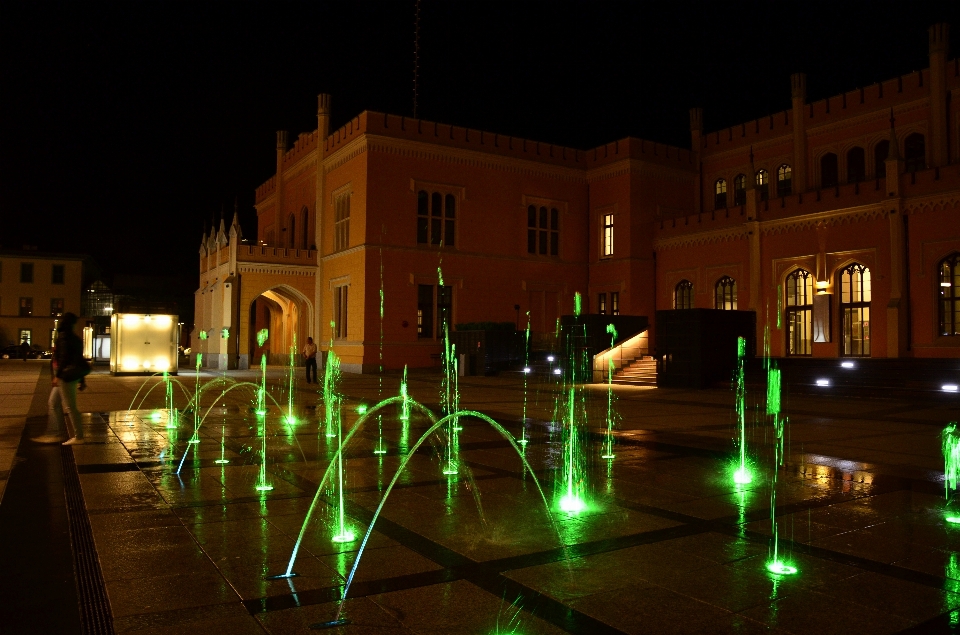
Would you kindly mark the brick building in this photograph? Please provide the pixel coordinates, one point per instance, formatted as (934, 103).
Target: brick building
(837, 222)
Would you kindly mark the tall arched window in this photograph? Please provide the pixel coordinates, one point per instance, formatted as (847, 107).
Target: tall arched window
(799, 317)
(726, 294)
(292, 232)
(856, 165)
(784, 180)
(763, 184)
(880, 153)
(914, 152)
(950, 295)
(683, 295)
(855, 310)
(719, 194)
(740, 190)
(304, 225)
(828, 171)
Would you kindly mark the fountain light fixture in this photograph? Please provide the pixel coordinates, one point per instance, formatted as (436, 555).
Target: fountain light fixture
(823, 382)
(847, 364)
(780, 568)
(264, 488)
(557, 371)
(742, 476)
(953, 520)
(222, 461)
(550, 358)
(526, 369)
(949, 388)
(572, 504)
(362, 409)
(345, 536)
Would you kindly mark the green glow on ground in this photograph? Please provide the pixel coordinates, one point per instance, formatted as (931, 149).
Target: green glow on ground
(572, 504)
(222, 461)
(608, 456)
(780, 568)
(194, 440)
(951, 457)
(345, 536)
(261, 412)
(742, 476)
(291, 419)
(379, 451)
(523, 441)
(264, 488)
(155, 416)
(451, 468)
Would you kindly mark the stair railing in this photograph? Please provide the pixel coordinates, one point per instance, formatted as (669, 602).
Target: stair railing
(623, 354)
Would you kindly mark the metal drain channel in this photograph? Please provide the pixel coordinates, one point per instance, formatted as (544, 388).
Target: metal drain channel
(95, 615)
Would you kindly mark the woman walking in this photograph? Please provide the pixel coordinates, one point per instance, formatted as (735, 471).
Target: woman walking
(69, 371)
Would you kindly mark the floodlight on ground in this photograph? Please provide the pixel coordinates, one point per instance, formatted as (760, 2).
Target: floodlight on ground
(949, 388)
(847, 364)
(526, 369)
(823, 382)
(550, 358)
(556, 371)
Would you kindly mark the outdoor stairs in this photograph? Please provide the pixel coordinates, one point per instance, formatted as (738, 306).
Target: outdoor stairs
(639, 372)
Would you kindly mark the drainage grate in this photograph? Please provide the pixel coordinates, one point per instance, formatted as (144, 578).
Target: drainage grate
(95, 615)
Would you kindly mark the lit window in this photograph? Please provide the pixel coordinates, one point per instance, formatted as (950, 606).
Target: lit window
(763, 184)
(719, 194)
(726, 294)
(436, 218)
(740, 190)
(26, 335)
(683, 295)
(950, 295)
(26, 307)
(426, 309)
(608, 235)
(855, 310)
(56, 306)
(799, 313)
(602, 304)
(543, 231)
(784, 180)
(341, 222)
(615, 303)
(340, 312)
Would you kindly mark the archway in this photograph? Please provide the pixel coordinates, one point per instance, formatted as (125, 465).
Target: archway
(286, 314)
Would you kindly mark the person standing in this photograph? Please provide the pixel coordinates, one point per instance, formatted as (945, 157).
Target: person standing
(24, 349)
(310, 355)
(69, 371)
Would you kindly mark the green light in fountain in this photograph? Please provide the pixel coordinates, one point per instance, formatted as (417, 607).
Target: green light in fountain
(225, 333)
(608, 445)
(781, 568)
(362, 409)
(344, 536)
(203, 335)
(405, 404)
(223, 436)
(951, 471)
(742, 475)
(577, 303)
(572, 504)
(262, 336)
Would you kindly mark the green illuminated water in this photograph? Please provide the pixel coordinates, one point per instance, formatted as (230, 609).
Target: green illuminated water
(608, 441)
(405, 401)
(743, 474)
(450, 403)
(291, 418)
(776, 564)
(573, 416)
(381, 448)
(950, 443)
(333, 403)
(262, 484)
(526, 374)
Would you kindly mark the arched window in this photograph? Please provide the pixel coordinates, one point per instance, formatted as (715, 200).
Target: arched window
(880, 153)
(828, 171)
(740, 190)
(856, 165)
(950, 295)
(683, 295)
(763, 184)
(292, 232)
(784, 180)
(855, 310)
(719, 194)
(799, 312)
(304, 232)
(914, 152)
(726, 294)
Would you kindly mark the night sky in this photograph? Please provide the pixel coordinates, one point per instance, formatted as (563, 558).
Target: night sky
(126, 126)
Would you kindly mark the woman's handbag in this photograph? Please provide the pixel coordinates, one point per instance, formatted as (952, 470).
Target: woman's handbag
(73, 372)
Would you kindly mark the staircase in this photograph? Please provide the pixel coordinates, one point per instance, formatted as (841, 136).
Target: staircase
(639, 372)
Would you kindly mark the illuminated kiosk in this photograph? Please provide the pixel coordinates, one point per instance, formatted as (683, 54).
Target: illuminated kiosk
(143, 343)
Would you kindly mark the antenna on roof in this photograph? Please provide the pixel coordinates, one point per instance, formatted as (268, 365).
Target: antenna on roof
(416, 54)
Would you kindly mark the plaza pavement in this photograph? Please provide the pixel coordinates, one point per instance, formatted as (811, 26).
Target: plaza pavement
(668, 543)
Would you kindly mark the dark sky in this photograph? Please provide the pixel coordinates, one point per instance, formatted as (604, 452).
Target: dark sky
(124, 126)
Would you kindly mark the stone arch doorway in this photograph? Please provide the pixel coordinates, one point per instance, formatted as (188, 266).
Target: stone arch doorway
(287, 315)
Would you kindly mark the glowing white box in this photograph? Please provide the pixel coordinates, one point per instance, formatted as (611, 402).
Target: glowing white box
(143, 343)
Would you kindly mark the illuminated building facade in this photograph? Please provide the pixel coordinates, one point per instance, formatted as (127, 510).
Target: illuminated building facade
(837, 221)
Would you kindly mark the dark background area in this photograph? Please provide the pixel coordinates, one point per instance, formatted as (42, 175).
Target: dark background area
(126, 126)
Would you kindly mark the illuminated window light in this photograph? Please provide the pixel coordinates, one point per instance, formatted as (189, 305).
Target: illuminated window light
(949, 388)
(823, 382)
(556, 371)
(847, 364)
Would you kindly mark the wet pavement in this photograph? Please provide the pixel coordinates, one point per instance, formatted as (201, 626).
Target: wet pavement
(667, 542)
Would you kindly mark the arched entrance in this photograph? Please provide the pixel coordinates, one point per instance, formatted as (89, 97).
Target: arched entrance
(286, 314)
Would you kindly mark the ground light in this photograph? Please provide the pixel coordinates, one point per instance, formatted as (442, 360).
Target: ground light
(949, 388)
(780, 568)
(557, 371)
(847, 364)
(823, 382)
(742, 476)
(955, 520)
(572, 504)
